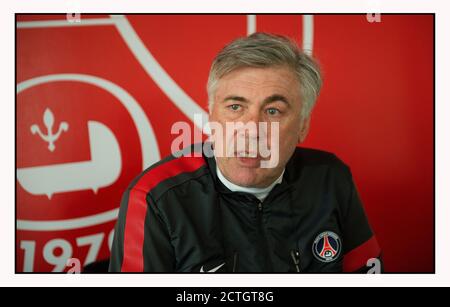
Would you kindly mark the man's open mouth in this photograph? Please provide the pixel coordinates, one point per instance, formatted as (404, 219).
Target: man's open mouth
(247, 154)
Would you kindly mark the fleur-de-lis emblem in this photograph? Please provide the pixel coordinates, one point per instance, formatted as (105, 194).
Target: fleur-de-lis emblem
(50, 138)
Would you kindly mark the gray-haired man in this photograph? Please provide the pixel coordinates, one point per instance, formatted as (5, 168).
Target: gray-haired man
(222, 210)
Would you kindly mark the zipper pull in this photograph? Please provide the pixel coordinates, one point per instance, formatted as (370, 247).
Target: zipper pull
(260, 206)
(295, 255)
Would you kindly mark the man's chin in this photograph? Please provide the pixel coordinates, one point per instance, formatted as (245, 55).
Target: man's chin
(245, 183)
(245, 177)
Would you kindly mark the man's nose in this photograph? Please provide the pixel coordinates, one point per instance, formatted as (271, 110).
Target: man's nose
(253, 117)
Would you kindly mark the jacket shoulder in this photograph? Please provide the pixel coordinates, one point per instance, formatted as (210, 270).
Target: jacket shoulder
(313, 159)
(310, 156)
(169, 172)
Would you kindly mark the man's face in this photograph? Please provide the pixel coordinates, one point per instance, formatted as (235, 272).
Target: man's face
(258, 95)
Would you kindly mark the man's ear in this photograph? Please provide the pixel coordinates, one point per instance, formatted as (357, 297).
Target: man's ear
(304, 129)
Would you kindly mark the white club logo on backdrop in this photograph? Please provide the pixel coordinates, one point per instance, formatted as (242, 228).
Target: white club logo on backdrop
(105, 165)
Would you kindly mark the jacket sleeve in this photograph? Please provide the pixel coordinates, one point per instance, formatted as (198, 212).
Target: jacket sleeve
(362, 253)
(141, 240)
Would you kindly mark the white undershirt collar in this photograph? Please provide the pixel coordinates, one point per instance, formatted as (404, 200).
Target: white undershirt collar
(260, 193)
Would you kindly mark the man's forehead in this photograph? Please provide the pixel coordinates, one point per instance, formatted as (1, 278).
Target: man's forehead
(255, 80)
(258, 84)
(259, 75)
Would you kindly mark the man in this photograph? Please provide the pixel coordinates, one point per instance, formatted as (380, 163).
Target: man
(222, 210)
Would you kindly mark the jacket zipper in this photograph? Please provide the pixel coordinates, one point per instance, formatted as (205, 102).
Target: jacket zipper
(263, 232)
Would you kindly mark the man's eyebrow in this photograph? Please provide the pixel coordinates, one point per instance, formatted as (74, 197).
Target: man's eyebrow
(236, 98)
(272, 98)
(276, 97)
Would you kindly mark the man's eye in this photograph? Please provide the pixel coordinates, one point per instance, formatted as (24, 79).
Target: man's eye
(273, 111)
(234, 107)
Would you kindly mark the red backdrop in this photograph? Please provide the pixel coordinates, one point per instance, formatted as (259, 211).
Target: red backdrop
(119, 84)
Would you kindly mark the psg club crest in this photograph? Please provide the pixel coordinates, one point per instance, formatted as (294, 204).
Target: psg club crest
(327, 246)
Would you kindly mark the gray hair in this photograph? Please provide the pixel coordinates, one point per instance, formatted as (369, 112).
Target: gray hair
(268, 50)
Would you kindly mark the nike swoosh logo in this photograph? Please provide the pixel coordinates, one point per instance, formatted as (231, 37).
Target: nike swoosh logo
(213, 269)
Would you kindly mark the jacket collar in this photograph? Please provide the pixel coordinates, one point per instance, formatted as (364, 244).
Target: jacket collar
(287, 183)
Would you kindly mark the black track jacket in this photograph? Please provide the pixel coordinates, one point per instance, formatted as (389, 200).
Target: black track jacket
(177, 216)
